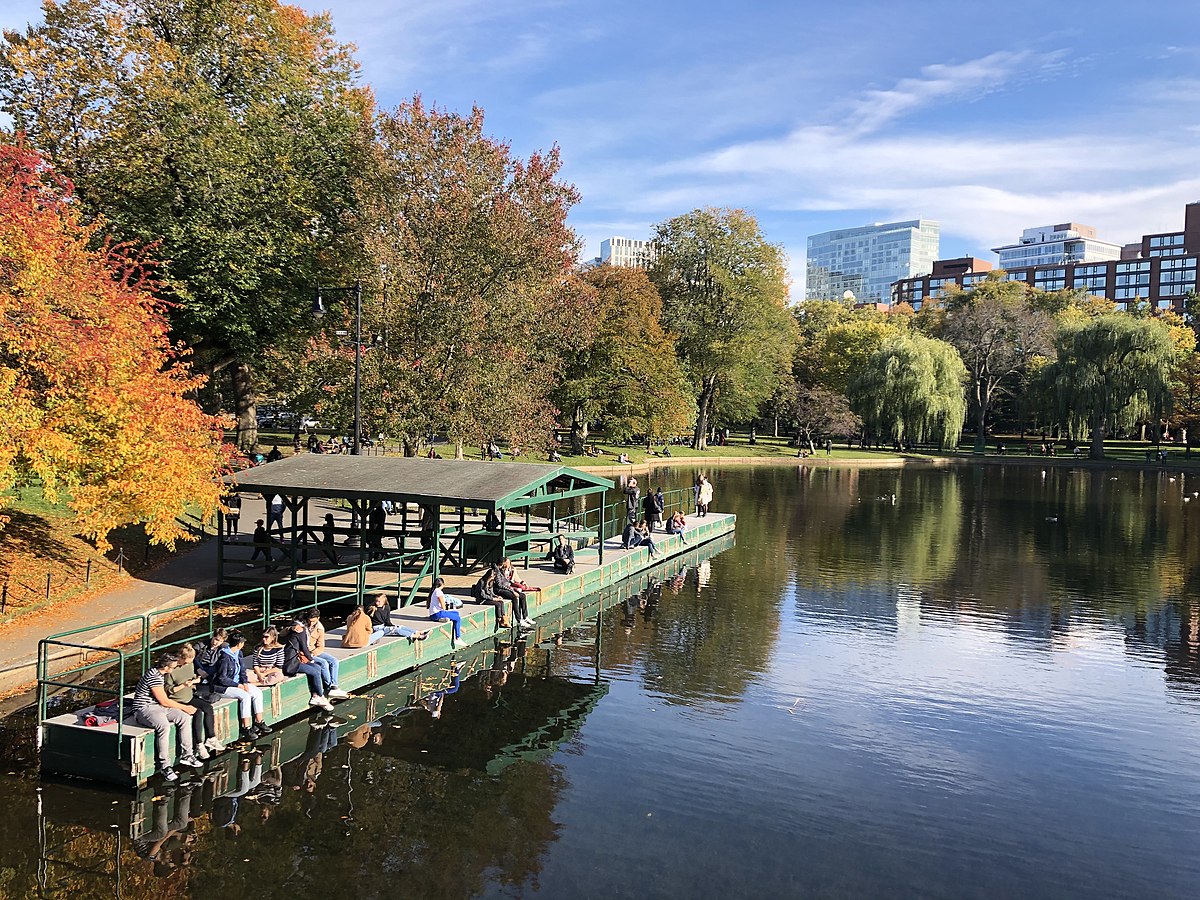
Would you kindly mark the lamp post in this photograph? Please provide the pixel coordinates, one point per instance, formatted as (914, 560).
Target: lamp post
(318, 311)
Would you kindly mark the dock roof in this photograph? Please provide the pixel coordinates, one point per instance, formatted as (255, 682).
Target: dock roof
(448, 482)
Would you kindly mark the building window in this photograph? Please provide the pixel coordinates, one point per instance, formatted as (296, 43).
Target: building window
(1142, 265)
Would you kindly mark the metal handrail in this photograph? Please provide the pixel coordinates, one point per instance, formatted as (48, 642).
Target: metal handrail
(43, 683)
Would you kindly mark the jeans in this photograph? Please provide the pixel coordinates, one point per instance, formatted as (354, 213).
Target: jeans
(162, 719)
(381, 631)
(204, 723)
(249, 698)
(449, 615)
(330, 665)
(318, 677)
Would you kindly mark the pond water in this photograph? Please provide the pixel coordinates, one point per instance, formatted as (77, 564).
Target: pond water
(967, 682)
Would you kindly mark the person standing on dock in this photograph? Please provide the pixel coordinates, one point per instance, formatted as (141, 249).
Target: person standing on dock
(652, 508)
(632, 495)
(704, 496)
(152, 708)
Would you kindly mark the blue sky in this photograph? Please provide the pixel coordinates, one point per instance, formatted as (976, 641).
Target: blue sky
(987, 117)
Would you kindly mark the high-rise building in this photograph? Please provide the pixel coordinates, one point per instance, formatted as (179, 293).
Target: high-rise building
(1056, 245)
(867, 260)
(629, 252)
(1159, 269)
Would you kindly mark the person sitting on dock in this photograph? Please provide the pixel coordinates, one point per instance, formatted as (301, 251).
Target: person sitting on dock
(638, 536)
(676, 524)
(380, 614)
(181, 683)
(563, 556)
(316, 640)
(267, 667)
(439, 613)
(152, 708)
(484, 591)
(507, 589)
(230, 680)
(206, 659)
(298, 657)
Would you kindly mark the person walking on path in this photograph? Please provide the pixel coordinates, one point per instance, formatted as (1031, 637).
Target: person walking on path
(704, 496)
(329, 540)
(275, 507)
(152, 708)
(262, 545)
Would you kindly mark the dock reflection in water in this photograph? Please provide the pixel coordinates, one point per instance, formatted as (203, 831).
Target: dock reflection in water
(443, 777)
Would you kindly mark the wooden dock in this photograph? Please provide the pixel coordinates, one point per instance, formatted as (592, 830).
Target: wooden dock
(68, 747)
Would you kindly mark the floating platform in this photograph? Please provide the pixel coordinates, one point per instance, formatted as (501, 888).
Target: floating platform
(124, 755)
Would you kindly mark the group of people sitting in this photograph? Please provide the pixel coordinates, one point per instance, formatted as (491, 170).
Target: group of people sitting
(182, 686)
(499, 587)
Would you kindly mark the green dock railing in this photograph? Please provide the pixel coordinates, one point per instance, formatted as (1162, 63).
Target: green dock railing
(261, 606)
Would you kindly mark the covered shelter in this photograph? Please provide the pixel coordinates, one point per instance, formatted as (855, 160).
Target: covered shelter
(465, 513)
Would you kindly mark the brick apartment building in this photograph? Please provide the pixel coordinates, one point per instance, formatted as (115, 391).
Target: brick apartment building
(1161, 268)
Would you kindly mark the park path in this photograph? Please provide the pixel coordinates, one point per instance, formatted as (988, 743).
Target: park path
(180, 580)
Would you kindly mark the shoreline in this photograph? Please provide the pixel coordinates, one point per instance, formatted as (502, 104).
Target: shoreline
(885, 462)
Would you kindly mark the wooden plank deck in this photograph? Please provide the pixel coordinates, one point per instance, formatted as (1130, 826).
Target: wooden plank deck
(70, 748)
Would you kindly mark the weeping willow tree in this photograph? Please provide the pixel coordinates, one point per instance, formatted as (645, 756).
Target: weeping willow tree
(911, 388)
(1110, 373)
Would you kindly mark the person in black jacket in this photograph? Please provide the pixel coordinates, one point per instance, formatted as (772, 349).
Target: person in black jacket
(652, 508)
(563, 556)
(505, 588)
(298, 657)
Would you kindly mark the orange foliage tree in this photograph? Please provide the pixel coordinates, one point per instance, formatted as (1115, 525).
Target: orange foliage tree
(95, 399)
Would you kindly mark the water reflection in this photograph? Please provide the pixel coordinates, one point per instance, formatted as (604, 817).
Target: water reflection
(932, 683)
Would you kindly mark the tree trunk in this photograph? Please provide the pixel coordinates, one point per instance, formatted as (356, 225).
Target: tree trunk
(700, 436)
(776, 423)
(578, 430)
(246, 407)
(458, 449)
(1097, 451)
(981, 428)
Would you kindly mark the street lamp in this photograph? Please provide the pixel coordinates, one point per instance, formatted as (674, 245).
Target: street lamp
(318, 311)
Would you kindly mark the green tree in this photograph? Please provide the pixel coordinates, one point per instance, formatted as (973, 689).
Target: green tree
(911, 388)
(1111, 371)
(223, 132)
(621, 365)
(724, 291)
(474, 299)
(996, 333)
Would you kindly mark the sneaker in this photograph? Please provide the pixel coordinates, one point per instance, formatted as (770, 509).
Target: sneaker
(325, 704)
(316, 700)
(191, 762)
(529, 623)
(455, 643)
(246, 736)
(169, 774)
(214, 746)
(202, 753)
(336, 693)
(262, 729)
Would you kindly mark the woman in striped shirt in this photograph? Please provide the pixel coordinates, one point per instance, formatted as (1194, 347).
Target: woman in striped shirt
(268, 661)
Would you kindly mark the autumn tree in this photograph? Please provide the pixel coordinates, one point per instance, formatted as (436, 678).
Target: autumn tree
(95, 397)
(1110, 372)
(818, 411)
(996, 333)
(621, 364)
(724, 291)
(224, 132)
(472, 297)
(911, 388)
